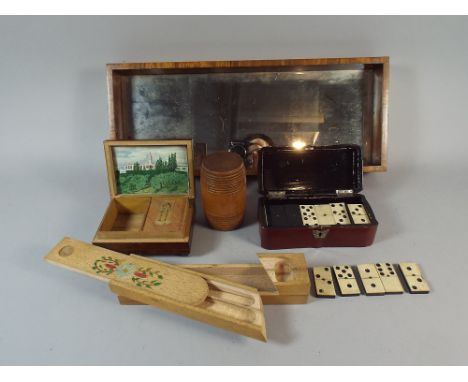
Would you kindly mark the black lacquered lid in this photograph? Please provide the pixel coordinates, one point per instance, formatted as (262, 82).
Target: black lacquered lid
(311, 170)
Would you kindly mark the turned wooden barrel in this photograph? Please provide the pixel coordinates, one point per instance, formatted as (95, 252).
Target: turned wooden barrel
(223, 189)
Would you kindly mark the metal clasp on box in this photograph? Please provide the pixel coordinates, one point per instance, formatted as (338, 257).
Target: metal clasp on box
(276, 194)
(320, 233)
(343, 193)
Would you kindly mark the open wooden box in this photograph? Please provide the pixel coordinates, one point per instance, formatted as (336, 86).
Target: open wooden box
(219, 104)
(152, 197)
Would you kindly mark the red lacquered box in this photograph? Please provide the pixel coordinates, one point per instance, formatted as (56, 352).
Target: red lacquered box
(320, 183)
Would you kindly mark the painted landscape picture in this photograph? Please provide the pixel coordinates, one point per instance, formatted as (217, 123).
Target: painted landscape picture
(151, 170)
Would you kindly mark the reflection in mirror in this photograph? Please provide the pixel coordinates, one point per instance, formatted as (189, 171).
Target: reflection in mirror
(315, 107)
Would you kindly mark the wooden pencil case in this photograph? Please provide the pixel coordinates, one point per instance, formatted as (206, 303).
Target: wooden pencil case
(280, 278)
(206, 298)
(152, 197)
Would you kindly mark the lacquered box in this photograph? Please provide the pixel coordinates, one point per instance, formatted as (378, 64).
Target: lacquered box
(328, 178)
(152, 193)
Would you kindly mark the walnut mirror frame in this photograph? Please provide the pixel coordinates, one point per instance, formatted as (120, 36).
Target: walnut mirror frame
(311, 101)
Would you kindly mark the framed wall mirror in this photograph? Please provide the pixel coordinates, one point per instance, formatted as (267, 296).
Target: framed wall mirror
(224, 105)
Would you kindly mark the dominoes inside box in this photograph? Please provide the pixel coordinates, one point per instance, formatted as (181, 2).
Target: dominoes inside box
(311, 198)
(152, 197)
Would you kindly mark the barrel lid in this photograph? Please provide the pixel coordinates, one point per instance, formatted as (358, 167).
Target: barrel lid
(222, 162)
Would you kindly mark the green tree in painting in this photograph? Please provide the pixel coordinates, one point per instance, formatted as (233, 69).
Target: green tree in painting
(159, 166)
(172, 162)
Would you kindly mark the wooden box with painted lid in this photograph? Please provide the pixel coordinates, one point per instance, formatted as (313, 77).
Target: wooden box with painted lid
(244, 105)
(311, 198)
(152, 193)
(199, 296)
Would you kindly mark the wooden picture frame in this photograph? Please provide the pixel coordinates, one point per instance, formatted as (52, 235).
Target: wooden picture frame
(375, 95)
(109, 147)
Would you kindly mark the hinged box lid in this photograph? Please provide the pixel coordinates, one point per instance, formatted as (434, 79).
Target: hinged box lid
(150, 168)
(318, 102)
(321, 170)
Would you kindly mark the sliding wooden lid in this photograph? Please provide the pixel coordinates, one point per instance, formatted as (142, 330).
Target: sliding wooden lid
(204, 298)
(152, 278)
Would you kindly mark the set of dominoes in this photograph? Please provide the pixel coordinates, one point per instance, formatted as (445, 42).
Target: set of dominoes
(377, 279)
(333, 214)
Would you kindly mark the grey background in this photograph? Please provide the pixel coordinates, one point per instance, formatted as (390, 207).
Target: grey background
(53, 119)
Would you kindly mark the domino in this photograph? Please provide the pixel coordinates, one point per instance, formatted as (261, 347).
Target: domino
(347, 282)
(413, 278)
(340, 214)
(389, 278)
(316, 214)
(324, 214)
(308, 215)
(371, 281)
(323, 279)
(358, 214)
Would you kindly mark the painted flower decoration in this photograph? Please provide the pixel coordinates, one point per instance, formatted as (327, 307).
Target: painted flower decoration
(147, 277)
(125, 270)
(105, 265)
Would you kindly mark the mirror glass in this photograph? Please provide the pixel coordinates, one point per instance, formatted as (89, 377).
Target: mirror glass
(319, 107)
